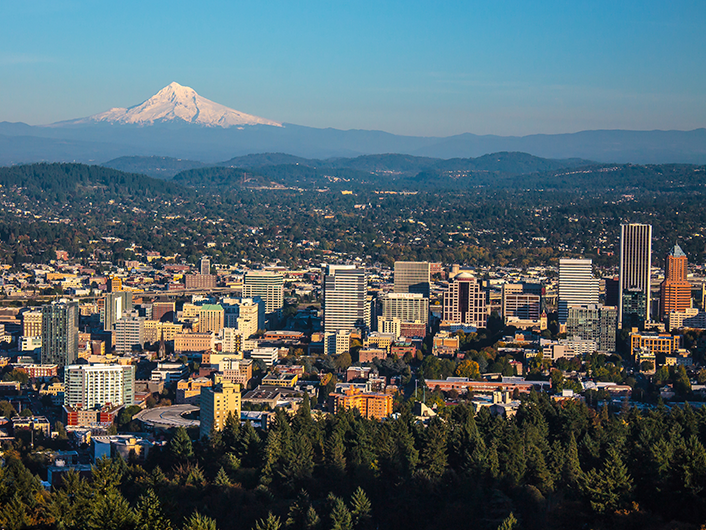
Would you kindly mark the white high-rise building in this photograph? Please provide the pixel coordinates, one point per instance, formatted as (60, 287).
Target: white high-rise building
(345, 300)
(635, 264)
(115, 306)
(577, 285)
(407, 307)
(129, 332)
(247, 315)
(268, 286)
(413, 277)
(96, 385)
(390, 325)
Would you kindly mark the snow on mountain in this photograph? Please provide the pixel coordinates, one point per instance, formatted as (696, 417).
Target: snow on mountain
(173, 103)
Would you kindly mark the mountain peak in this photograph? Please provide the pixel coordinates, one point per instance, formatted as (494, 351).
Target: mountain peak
(177, 103)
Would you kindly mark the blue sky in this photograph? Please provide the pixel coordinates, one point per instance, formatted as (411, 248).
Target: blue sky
(421, 68)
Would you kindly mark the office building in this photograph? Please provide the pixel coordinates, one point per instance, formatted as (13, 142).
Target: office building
(32, 324)
(247, 315)
(406, 307)
(593, 322)
(60, 333)
(635, 264)
(691, 317)
(162, 308)
(115, 284)
(116, 304)
(211, 318)
(267, 286)
(519, 304)
(205, 266)
(217, 403)
(269, 356)
(654, 343)
(194, 342)
(231, 340)
(390, 326)
(96, 385)
(156, 331)
(129, 333)
(675, 290)
(412, 277)
(200, 281)
(345, 302)
(370, 405)
(464, 302)
(577, 286)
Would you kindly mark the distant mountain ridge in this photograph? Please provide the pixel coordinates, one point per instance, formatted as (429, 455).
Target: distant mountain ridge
(179, 123)
(283, 167)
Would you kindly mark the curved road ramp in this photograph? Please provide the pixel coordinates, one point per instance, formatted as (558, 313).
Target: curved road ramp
(168, 417)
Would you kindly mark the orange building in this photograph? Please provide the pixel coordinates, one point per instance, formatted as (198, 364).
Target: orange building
(675, 291)
(656, 344)
(370, 404)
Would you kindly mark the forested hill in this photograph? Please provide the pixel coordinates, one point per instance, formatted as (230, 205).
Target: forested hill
(218, 178)
(408, 165)
(60, 181)
(626, 177)
(162, 167)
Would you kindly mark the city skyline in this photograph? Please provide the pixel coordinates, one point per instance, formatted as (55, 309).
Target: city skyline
(413, 69)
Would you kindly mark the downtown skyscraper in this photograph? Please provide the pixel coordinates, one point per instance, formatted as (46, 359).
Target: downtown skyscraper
(577, 285)
(60, 333)
(345, 299)
(634, 283)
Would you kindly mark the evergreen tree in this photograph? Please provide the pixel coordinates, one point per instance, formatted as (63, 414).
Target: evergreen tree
(180, 448)
(360, 508)
(248, 446)
(298, 460)
(340, 515)
(270, 523)
(107, 474)
(334, 456)
(157, 478)
(537, 473)
(509, 523)
(148, 513)
(14, 515)
(109, 511)
(199, 522)
(69, 501)
(610, 488)
(433, 457)
(272, 454)
(571, 473)
(296, 516)
(231, 433)
(312, 520)
(222, 478)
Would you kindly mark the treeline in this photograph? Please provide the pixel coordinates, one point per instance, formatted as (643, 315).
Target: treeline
(60, 182)
(555, 465)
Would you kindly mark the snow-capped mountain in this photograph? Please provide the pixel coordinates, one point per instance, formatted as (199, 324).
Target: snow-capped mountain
(175, 103)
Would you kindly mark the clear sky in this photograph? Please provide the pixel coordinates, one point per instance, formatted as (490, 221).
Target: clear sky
(409, 67)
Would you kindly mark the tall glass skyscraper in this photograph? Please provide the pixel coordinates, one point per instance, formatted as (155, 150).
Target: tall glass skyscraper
(412, 277)
(60, 333)
(345, 304)
(577, 286)
(635, 264)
